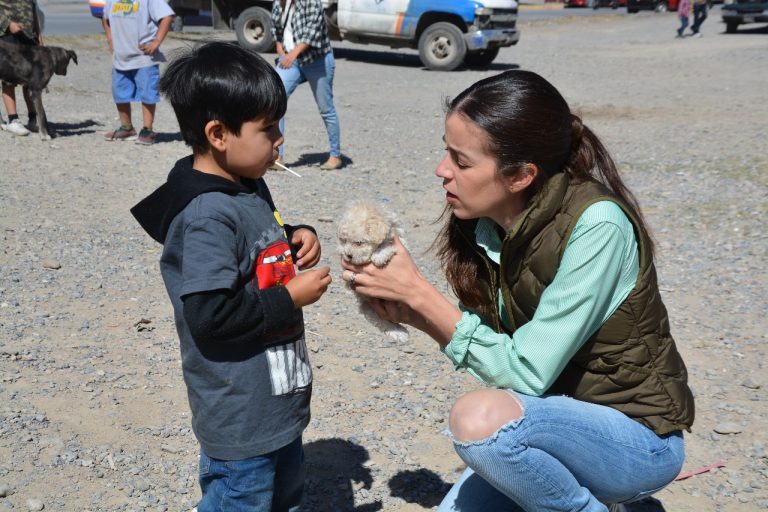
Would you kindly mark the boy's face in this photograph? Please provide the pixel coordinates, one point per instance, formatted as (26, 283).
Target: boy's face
(251, 153)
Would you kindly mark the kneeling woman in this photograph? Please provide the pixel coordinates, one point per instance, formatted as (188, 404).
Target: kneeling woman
(559, 314)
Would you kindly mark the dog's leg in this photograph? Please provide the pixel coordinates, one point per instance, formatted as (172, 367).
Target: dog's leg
(42, 120)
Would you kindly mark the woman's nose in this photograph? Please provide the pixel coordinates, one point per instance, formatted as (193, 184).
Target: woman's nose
(443, 169)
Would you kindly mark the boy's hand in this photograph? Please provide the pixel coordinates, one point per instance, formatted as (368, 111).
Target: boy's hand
(150, 48)
(307, 248)
(307, 287)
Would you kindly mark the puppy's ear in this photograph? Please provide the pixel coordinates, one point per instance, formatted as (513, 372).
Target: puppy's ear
(377, 229)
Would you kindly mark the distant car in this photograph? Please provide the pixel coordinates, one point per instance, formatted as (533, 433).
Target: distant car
(651, 5)
(744, 11)
(97, 8)
(614, 4)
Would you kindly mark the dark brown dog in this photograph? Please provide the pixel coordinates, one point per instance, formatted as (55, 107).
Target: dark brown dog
(33, 67)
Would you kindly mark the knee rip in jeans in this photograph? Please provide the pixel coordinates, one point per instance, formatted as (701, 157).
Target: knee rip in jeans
(478, 417)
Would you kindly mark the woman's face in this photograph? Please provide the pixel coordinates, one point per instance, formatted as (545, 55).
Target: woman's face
(473, 186)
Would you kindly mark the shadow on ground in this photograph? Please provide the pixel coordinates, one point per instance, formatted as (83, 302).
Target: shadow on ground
(310, 159)
(70, 129)
(394, 58)
(335, 468)
(421, 486)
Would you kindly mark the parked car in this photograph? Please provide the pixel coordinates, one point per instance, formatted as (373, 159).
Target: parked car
(613, 4)
(744, 11)
(634, 6)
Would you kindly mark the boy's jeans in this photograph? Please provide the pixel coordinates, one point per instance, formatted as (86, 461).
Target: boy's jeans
(683, 25)
(564, 455)
(319, 74)
(268, 483)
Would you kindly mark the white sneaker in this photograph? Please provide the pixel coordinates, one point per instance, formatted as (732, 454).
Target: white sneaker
(16, 128)
(697, 34)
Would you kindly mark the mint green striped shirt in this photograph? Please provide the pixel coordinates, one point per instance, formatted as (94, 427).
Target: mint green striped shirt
(598, 271)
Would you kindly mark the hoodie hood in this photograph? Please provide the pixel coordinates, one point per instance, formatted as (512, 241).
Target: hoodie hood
(156, 211)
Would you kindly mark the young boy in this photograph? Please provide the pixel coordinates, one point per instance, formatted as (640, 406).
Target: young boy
(227, 264)
(135, 29)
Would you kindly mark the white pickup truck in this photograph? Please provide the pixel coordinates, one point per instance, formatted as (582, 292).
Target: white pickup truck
(447, 33)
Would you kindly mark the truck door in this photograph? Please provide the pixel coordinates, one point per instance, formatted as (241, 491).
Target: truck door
(383, 17)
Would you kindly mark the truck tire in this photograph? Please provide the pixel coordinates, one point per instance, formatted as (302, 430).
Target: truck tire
(442, 47)
(177, 25)
(731, 27)
(661, 6)
(254, 30)
(481, 59)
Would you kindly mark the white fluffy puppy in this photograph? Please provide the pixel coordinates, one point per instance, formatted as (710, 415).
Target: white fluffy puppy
(366, 231)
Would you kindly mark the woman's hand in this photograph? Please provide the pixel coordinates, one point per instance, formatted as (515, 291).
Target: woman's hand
(398, 292)
(394, 282)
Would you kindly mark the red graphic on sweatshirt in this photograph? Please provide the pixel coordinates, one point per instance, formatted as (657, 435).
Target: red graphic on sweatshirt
(274, 266)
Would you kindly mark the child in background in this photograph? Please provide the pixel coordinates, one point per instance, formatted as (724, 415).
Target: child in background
(135, 29)
(683, 11)
(228, 267)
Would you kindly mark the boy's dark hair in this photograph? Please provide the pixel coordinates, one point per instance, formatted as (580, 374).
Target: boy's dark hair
(221, 81)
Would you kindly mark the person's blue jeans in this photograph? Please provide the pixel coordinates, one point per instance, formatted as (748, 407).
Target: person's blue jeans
(699, 15)
(683, 25)
(319, 74)
(564, 455)
(268, 483)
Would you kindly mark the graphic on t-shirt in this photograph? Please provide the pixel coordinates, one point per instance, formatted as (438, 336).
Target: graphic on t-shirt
(125, 7)
(274, 266)
(289, 367)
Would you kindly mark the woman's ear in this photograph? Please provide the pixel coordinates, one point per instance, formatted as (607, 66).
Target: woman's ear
(524, 178)
(215, 134)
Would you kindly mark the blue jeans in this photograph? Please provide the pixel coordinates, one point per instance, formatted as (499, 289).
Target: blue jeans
(699, 15)
(564, 455)
(319, 74)
(268, 483)
(683, 25)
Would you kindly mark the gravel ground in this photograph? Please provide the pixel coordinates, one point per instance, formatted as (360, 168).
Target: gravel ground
(93, 411)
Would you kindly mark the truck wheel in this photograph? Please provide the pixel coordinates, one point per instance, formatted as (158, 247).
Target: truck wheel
(731, 27)
(661, 6)
(254, 30)
(482, 58)
(177, 25)
(442, 47)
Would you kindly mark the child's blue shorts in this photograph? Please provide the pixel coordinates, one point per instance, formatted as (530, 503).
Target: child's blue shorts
(135, 85)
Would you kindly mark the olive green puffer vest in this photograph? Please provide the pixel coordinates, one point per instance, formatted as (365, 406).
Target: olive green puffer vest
(631, 363)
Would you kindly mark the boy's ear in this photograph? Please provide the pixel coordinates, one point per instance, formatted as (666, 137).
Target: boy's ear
(215, 134)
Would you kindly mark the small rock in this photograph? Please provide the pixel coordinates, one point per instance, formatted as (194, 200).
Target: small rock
(728, 427)
(751, 384)
(5, 490)
(51, 264)
(35, 505)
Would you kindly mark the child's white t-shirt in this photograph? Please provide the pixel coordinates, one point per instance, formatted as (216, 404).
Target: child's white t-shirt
(134, 23)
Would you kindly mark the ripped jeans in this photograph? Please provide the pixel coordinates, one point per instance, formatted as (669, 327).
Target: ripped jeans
(564, 455)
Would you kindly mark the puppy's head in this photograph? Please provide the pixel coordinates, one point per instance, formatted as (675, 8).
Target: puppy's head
(61, 58)
(363, 228)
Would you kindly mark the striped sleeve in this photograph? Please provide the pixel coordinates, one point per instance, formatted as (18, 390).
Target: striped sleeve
(598, 271)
